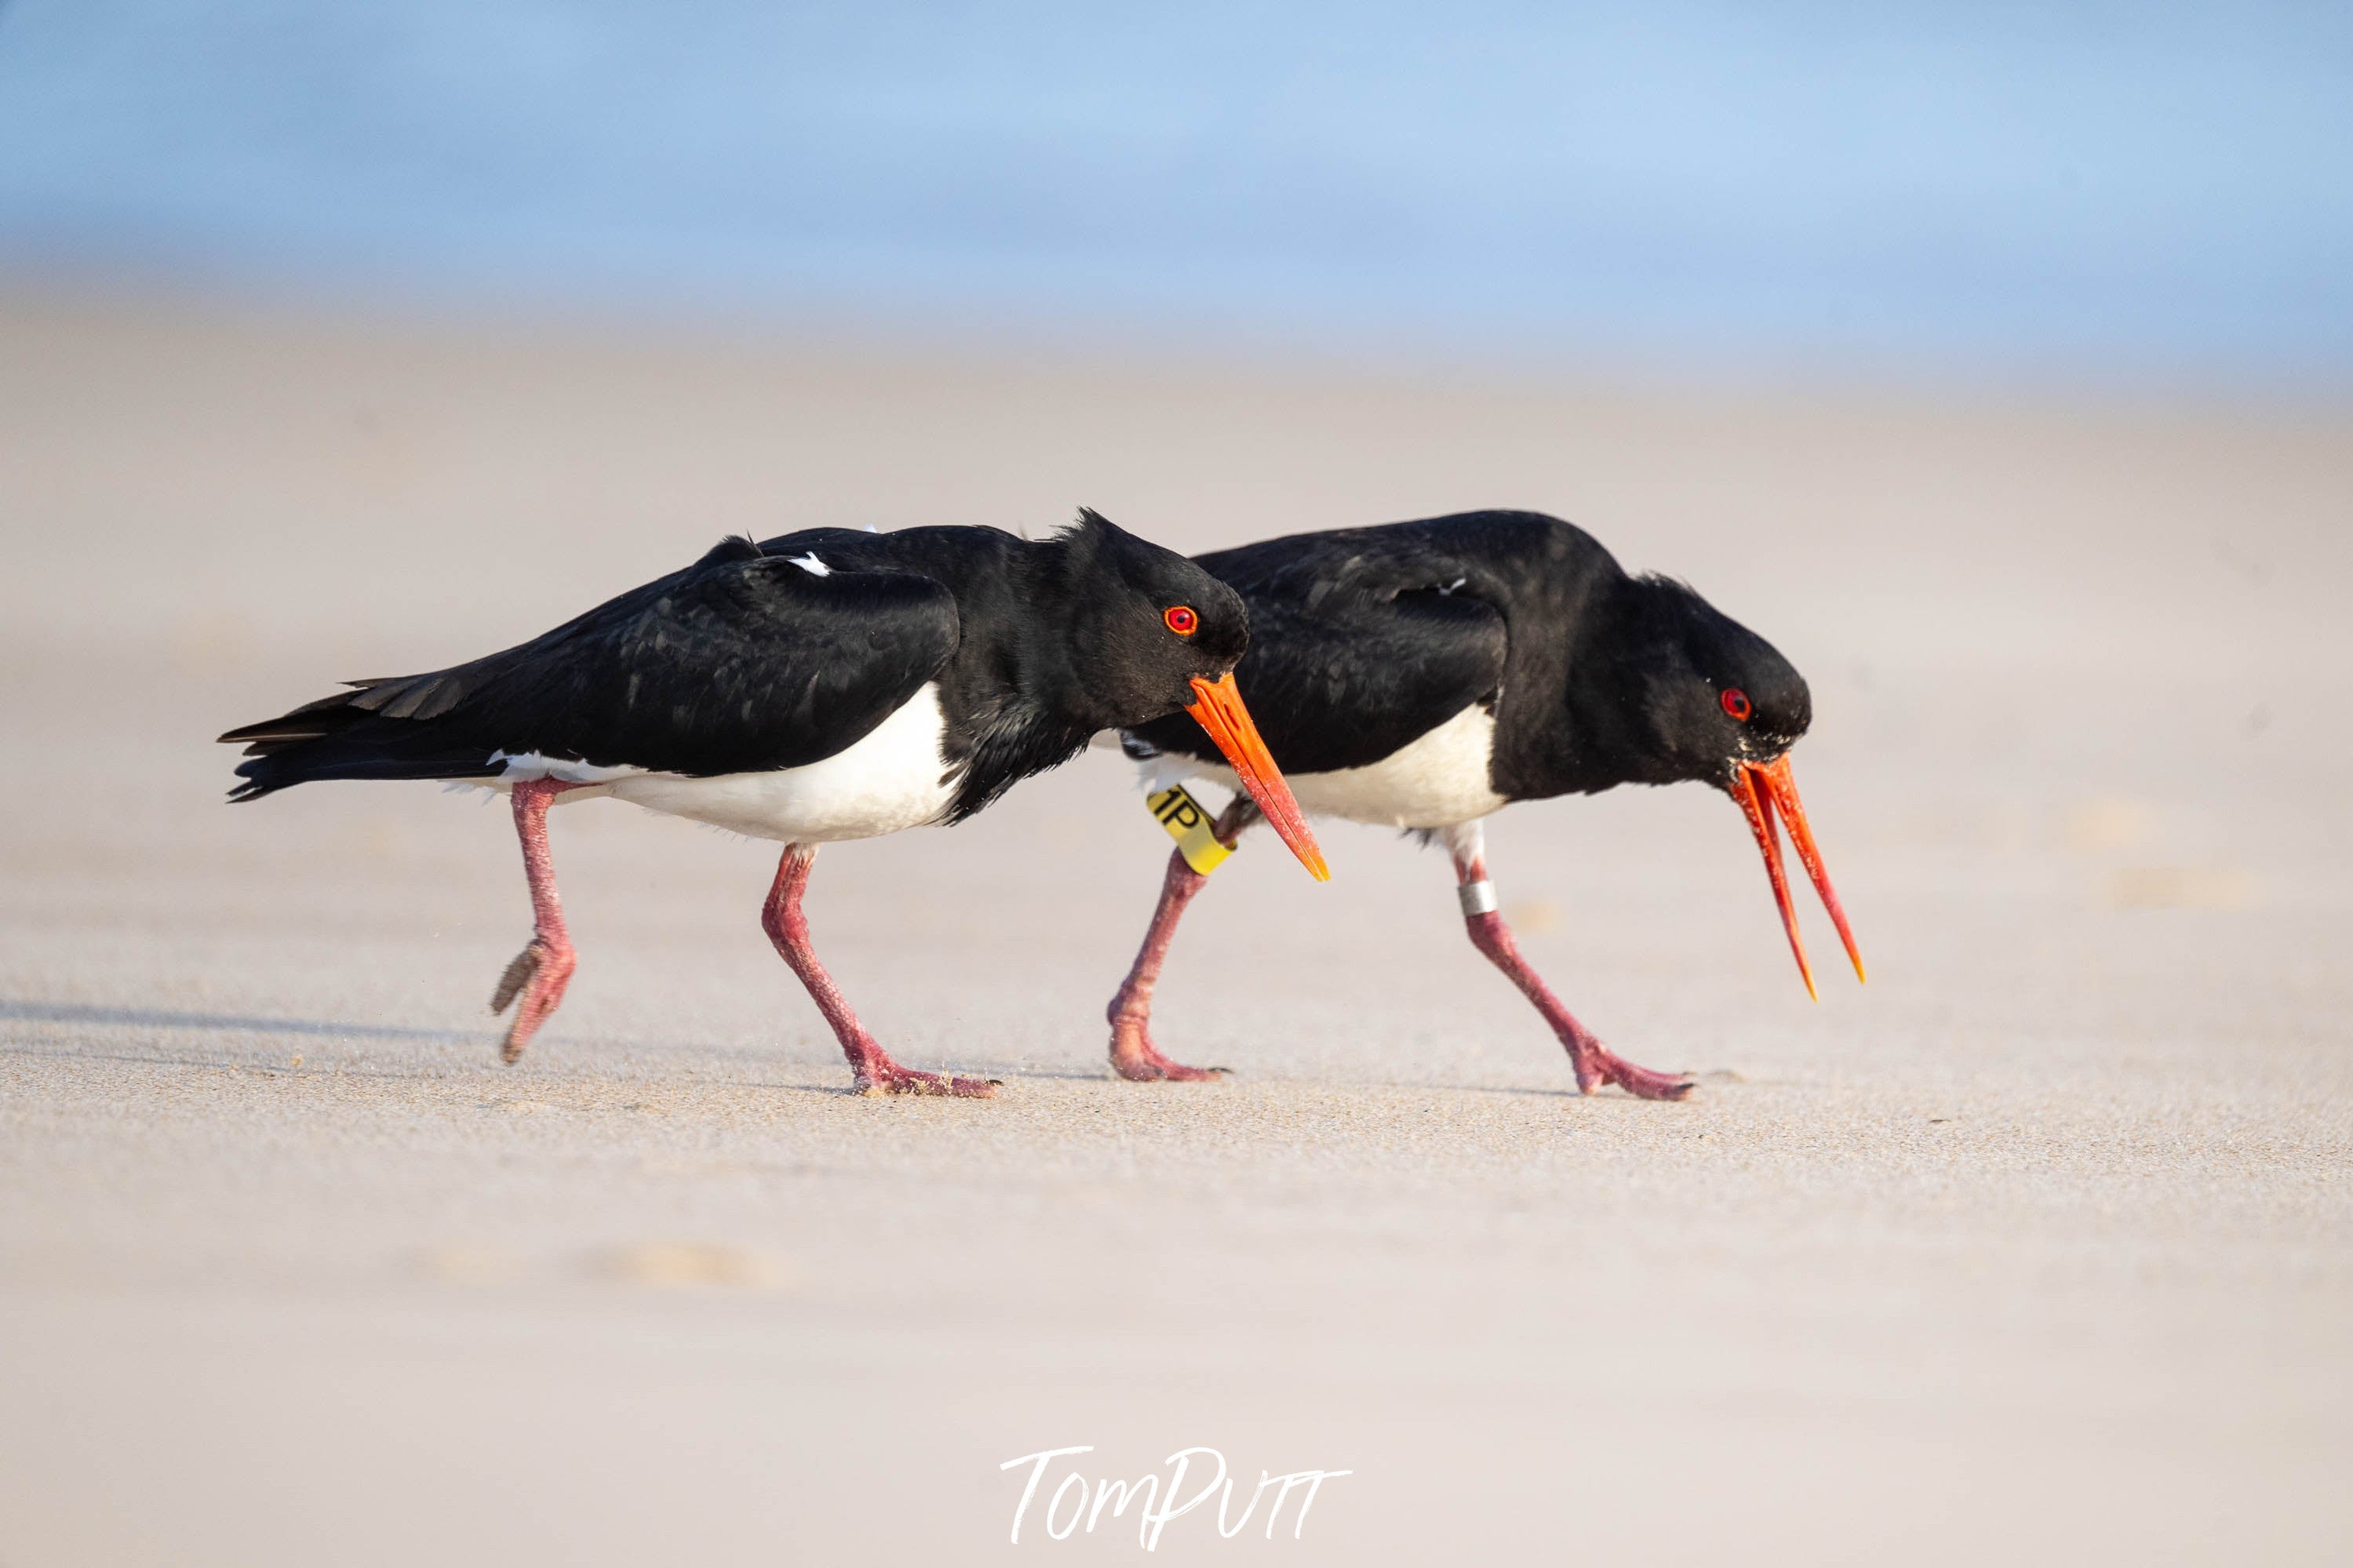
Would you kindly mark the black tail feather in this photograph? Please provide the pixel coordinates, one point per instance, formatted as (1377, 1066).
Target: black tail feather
(338, 738)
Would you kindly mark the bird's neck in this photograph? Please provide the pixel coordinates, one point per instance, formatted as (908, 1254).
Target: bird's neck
(1024, 708)
(1573, 720)
(1610, 689)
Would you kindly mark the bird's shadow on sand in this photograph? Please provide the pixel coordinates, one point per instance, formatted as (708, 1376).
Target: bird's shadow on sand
(207, 1022)
(1706, 1082)
(326, 1029)
(226, 1023)
(333, 1030)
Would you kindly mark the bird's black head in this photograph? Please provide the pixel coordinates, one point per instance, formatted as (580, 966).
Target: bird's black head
(1709, 696)
(1149, 633)
(1143, 624)
(1699, 696)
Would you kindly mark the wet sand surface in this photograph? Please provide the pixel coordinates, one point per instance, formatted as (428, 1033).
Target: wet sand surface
(2036, 1249)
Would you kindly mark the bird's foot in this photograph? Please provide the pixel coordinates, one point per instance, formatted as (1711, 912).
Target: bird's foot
(1135, 1058)
(538, 975)
(1596, 1066)
(877, 1073)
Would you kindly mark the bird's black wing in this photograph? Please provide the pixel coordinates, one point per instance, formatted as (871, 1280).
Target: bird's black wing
(742, 662)
(1362, 640)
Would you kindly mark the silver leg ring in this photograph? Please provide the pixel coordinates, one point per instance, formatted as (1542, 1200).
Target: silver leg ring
(1478, 898)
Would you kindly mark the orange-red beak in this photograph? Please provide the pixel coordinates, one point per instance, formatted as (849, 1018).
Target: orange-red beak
(1762, 790)
(1218, 706)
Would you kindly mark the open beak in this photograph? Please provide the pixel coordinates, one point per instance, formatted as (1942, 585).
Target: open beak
(1218, 705)
(1762, 790)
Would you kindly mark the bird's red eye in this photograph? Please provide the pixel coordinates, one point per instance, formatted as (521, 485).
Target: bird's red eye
(1181, 620)
(1735, 702)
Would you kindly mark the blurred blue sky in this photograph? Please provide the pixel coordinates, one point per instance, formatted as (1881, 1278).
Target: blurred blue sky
(2103, 189)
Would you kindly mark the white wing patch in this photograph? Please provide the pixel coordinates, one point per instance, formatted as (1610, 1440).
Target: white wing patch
(1435, 781)
(811, 564)
(894, 778)
(521, 767)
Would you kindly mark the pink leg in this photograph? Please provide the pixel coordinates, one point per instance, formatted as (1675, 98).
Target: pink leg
(540, 971)
(1132, 1054)
(874, 1071)
(1593, 1064)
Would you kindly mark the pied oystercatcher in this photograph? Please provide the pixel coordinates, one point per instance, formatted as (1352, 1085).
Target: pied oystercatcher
(1424, 675)
(830, 684)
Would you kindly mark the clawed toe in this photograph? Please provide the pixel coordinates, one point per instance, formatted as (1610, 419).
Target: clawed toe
(536, 979)
(1596, 1066)
(1645, 1085)
(1135, 1059)
(891, 1078)
(1154, 1068)
(517, 976)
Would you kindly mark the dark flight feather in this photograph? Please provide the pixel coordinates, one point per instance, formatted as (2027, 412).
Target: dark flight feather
(741, 662)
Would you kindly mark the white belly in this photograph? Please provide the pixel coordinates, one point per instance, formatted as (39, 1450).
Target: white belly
(1437, 781)
(894, 778)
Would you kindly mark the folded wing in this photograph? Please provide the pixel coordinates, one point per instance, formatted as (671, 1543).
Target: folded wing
(1361, 641)
(741, 662)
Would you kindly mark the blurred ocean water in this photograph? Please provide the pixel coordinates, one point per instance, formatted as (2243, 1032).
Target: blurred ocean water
(2110, 187)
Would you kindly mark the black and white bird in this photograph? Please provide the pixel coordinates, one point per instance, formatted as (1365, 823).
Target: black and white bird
(827, 685)
(1425, 675)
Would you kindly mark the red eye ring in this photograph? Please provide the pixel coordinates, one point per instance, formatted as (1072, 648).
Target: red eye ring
(1181, 619)
(1735, 702)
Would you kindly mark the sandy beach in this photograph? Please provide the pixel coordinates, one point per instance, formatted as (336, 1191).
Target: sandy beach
(2036, 1249)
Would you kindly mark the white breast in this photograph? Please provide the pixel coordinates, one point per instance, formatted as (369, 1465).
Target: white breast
(1438, 780)
(895, 778)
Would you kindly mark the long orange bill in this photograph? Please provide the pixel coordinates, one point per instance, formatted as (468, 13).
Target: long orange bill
(1218, 706)
(1763, 790)
(1776, 779)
